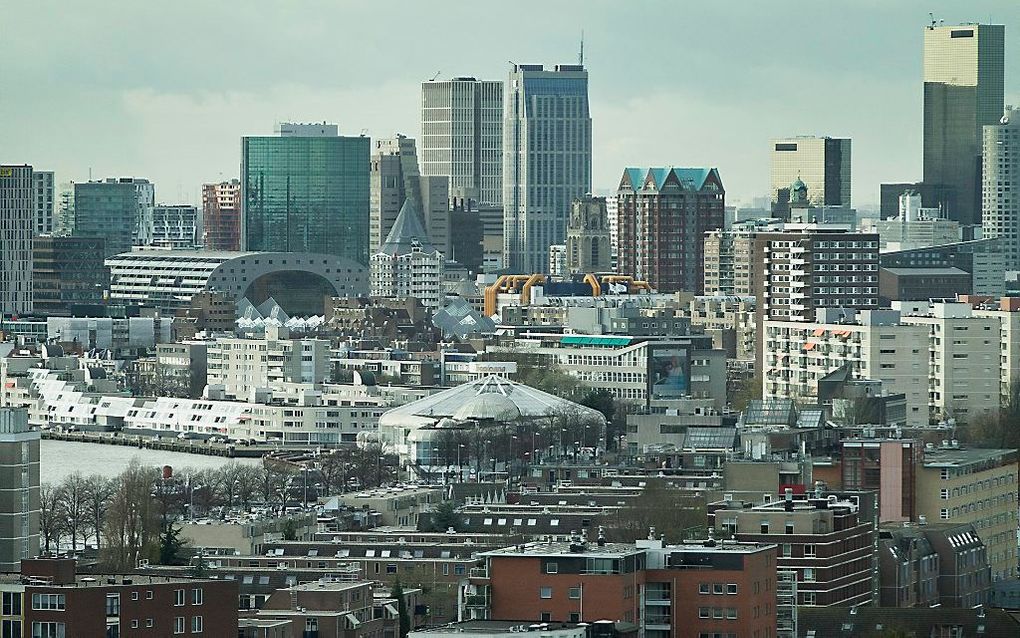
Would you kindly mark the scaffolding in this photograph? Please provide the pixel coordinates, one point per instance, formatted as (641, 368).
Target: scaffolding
(786, 604)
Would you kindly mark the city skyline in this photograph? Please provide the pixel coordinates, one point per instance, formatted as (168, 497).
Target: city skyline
(178, 119)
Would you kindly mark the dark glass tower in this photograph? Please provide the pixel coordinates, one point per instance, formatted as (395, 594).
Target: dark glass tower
(306, 190)
(963, 91)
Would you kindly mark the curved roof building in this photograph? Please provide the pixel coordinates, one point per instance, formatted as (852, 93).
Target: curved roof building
(299, 282)
(489, 400)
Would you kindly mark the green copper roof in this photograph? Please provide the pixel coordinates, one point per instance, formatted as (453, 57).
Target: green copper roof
(595, 341)
(690, 178)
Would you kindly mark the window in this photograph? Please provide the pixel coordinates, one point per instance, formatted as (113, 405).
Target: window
(112, 605)
(787, 550)
(809, 550)
(574, 593)
(704, 588)
(575, 617)
(149, 622)
(809, 574)
(552, 568)
(48, 602)
(731, 613)
(809, 598)
(197, 596)
(11, 603)
(134, 624)
(134, 595)
(148, 594)
(178, 597)
(196, 624)
(10, 628)
(764, 527)
(789, 527)
(545, 592)
(731, 588)
(179, 625)
(545, 616)
(47, 629)
(718, 588)
(704, 612)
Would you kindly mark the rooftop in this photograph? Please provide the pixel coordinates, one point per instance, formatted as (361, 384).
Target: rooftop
(492, 626)
(962, 457)
(609, 550)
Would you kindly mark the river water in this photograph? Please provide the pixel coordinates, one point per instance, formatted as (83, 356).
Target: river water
(59, 459)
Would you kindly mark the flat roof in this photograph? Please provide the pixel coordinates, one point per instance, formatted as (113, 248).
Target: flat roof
(591, 549)
(957, 457)
(493, 626)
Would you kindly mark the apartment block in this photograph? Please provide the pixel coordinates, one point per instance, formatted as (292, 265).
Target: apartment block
(221, 215)
(17, 210)
(828, 539)
(963, 358)
(878, 344)
(976, 486)
(242, 366)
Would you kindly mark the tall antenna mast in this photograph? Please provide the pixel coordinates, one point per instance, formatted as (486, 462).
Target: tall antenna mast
(580, 55)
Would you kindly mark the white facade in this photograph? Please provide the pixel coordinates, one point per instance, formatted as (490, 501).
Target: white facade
(878, 346)
(17, 215)
(240, 367)
(612, 206)
(462, 136)
(964, 355)
(557, 260)
(418, 274)
(42, 185)
(106, 333)
(547, 159)
(1000, 185)
(1009, 347)
(176, 226)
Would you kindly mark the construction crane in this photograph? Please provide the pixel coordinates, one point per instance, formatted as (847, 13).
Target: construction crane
(433, 78)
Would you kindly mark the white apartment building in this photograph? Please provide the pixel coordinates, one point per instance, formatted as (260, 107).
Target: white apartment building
(407, 264)
(877, 343)
(1008, 315)
(964, 364)
(237, 368)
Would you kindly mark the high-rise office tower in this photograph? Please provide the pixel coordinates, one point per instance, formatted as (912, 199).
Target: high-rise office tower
(17, 221)
(546, 159)
(118, 209)
(43, 195)
(462, 136)
(1000, 185)
(822, 163)
(306, 189)
(221, 215)
(963, 91)
(19, 489)
(394, 179)
(663, 214)
(64, 222)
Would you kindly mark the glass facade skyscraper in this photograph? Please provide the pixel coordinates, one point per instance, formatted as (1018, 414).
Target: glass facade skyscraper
(306, 190)
(546, 159)
(118, 209)
(963, 91)
(822, 163)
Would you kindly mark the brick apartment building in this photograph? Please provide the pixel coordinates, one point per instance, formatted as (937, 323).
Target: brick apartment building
(828, 539)
(661, 590)
(48, 599)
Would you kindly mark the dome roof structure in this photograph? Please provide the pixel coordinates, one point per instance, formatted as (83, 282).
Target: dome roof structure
(492, 398)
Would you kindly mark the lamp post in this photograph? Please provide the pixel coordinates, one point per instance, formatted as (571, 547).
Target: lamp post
(460, 470)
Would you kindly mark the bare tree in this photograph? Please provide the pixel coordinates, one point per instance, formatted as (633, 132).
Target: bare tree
(335, 470)
(248, 479)
(272, 486)
(74, 502)
(98, 491)
(132, 524)
(51, 516)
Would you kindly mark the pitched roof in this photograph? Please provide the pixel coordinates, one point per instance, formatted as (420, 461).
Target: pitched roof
(407, 229)
(689, 178)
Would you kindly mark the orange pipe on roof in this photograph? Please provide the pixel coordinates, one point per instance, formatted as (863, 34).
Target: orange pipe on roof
(526, 288)
(596, 287)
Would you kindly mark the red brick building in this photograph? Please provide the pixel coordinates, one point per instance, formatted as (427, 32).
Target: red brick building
(662, 590)
(662, 217)
(50, 600)
(221, 211)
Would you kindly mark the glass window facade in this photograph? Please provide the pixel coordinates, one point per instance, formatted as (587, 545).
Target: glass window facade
(306, 194)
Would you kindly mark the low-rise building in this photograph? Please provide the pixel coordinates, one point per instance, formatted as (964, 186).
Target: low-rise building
(659, 589)
(246, 535)
(398, 506)
(48, 598)
(240, 367)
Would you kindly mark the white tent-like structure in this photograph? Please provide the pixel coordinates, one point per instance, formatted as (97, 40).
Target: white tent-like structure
(491, 400)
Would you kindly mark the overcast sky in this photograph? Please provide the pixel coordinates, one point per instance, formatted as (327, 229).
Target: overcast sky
(165, 90)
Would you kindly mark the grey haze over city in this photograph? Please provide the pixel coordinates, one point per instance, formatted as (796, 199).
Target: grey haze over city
(96, 86)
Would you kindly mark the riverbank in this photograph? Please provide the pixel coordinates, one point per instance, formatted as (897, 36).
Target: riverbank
(61, 458)
(182, 446)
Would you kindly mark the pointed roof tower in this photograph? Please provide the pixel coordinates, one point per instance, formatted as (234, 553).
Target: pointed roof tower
(407, 229)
